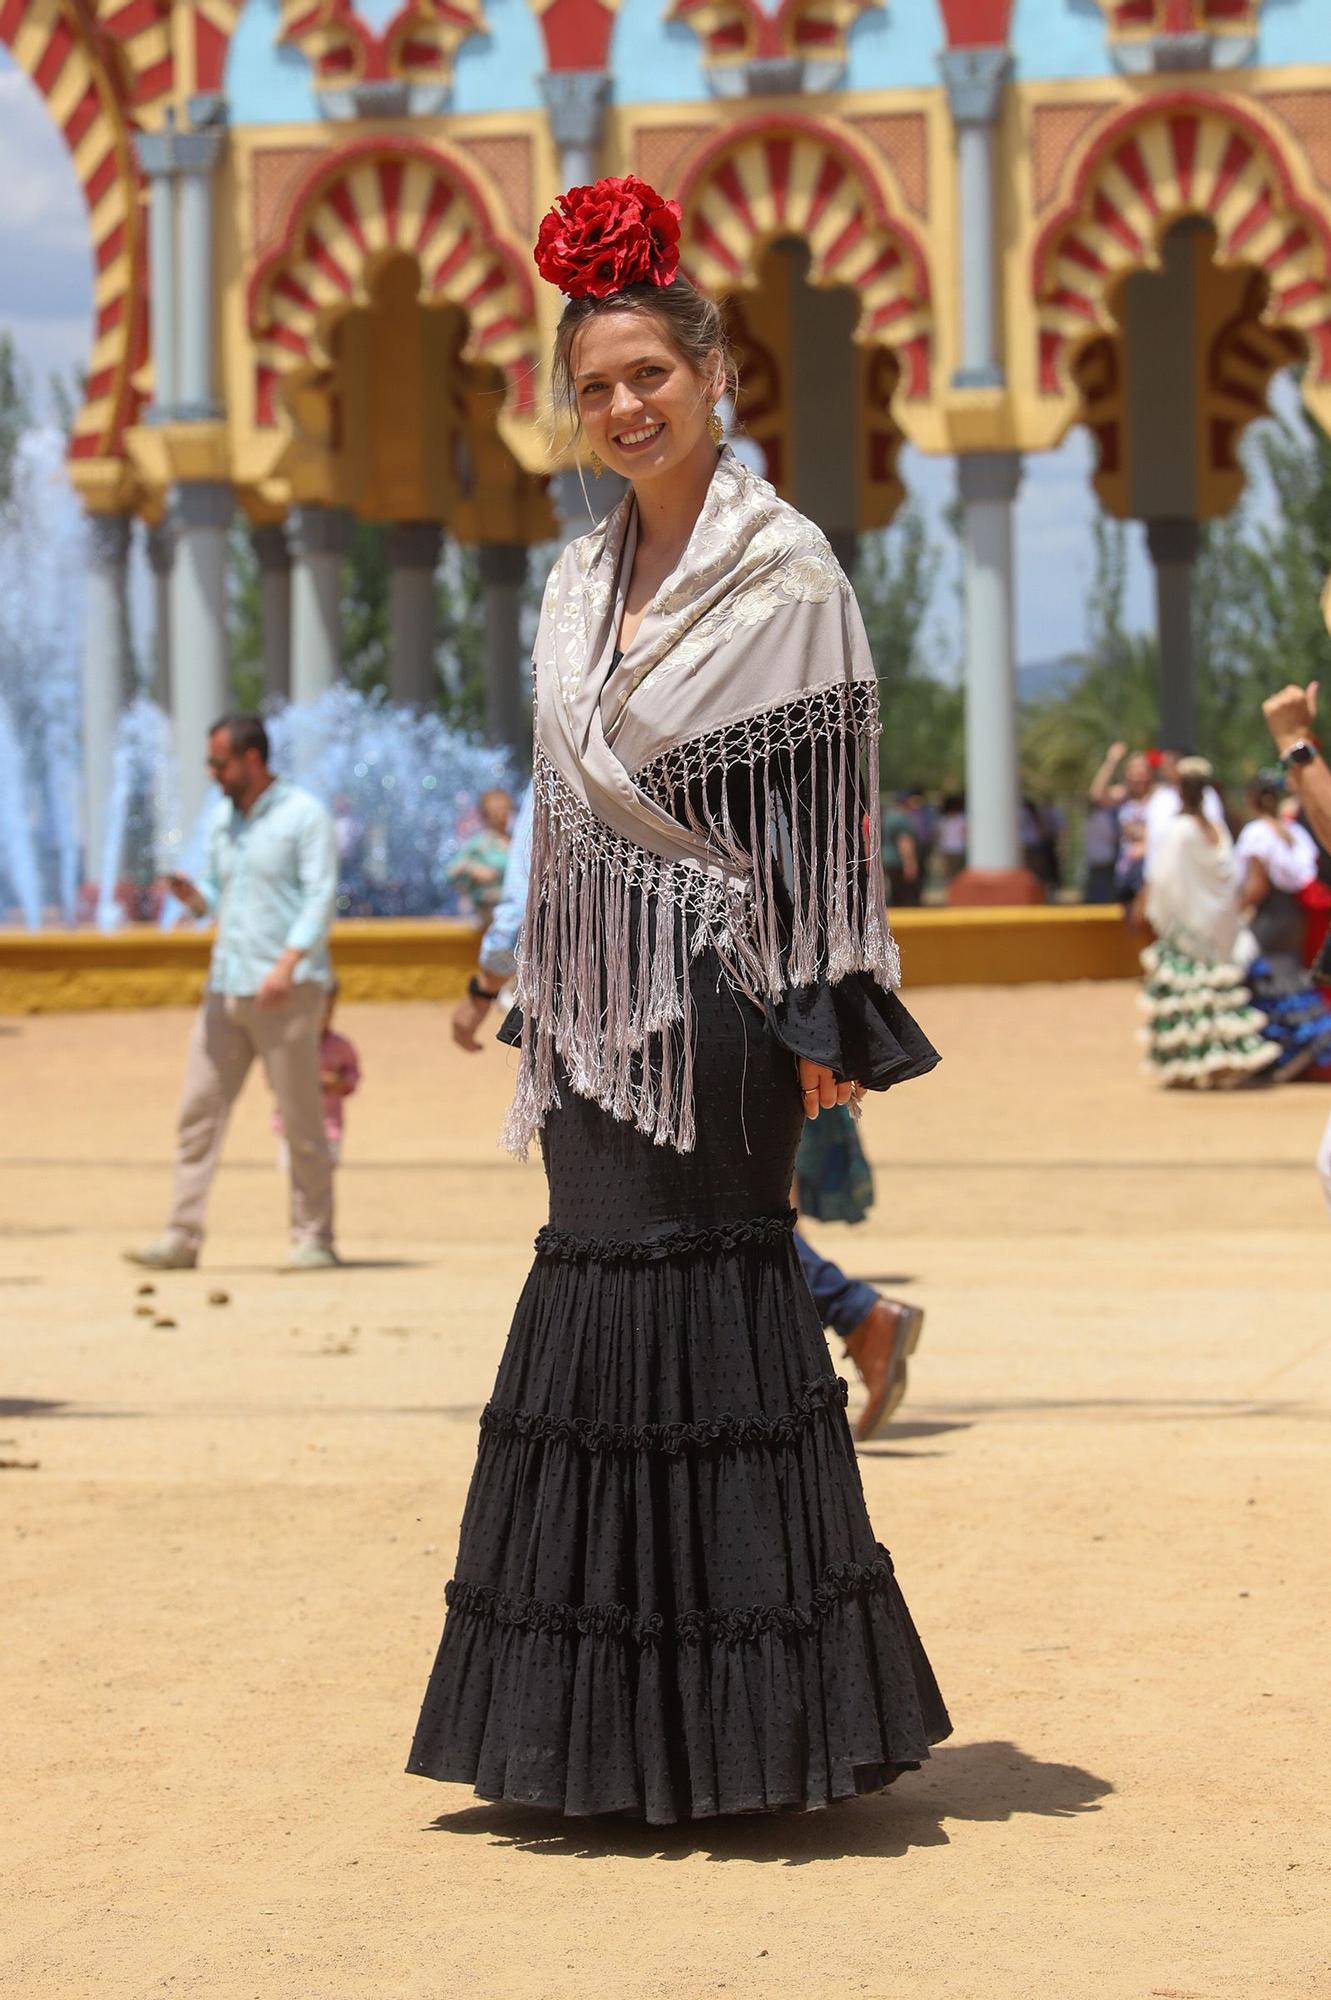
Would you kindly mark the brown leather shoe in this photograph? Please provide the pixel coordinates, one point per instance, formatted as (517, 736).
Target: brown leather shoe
(879, 1347)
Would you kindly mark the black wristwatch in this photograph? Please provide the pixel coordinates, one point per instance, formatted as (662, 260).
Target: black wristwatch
(1302, 752)
(479, 992)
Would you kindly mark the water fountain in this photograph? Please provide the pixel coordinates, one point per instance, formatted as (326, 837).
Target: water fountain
(42, 563)
(401, 783)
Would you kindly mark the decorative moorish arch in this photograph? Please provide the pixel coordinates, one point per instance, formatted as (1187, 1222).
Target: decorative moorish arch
(1181, 154)
(169, 53)
(790, 176)
(1181, 17)
(417, 47)
(365, 202)
(1242, 356)
(743, 31)
(66, 55)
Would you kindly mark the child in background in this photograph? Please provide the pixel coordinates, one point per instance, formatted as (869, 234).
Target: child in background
(339, 1073)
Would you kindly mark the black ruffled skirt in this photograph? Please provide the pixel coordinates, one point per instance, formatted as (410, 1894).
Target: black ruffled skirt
(668, 1599)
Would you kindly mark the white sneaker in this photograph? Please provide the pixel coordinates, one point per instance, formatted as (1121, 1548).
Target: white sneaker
(168, 1253)
(311, 1257)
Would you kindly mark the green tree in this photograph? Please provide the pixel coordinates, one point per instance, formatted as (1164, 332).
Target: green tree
(896, 573)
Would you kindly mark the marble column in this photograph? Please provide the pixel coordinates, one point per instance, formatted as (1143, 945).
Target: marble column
(575, 103)
(988, 483)
(201, 517)
(503, 577)
(1174, 543)
(273, 553)
(320, 542)
(413, 557)
(161, 557)
(156, 157)
(197, 154)
(108, 674)
(975, 79)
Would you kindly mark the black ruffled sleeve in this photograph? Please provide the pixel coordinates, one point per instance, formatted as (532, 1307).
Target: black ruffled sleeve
(859, 1029)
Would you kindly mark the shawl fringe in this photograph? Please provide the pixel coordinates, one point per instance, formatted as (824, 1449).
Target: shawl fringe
(786, 799)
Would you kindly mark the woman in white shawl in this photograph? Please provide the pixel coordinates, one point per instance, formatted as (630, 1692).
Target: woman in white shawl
(668, 1600)
(1202, 1031)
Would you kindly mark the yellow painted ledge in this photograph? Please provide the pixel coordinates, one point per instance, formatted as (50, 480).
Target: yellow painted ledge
(392, 959)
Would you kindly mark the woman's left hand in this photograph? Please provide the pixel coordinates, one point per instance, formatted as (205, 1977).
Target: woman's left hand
(820, 1090)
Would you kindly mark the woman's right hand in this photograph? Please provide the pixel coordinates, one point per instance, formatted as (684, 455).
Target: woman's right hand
(820, 1089)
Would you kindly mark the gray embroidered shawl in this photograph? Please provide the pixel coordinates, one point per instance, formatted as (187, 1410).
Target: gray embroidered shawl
(649, 845)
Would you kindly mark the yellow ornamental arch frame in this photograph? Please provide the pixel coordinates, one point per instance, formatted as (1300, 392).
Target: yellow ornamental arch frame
(368, 201)
(797, 177)
(1184, 153)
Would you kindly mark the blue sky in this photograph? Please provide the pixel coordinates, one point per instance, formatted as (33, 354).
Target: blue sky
(45, 302)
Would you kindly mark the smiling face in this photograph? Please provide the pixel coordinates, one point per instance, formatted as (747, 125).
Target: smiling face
(644, 409)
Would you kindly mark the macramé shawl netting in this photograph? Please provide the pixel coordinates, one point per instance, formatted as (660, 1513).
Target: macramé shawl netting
(711, 789)
(668, 1599)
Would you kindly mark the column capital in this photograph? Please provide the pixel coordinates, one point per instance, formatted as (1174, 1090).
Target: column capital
(988, 475)
(170, 152)
(271, 547)
(1174, 538)
(575, 101)
(413, 544)
(503, 562)
(974, 80)
(202, 503)
(320, 531)
(108, 536)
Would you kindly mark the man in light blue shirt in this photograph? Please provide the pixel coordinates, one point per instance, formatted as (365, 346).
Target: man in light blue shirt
(269, 880)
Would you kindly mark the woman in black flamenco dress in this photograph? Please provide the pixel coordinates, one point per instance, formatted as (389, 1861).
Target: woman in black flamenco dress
(668, 1600)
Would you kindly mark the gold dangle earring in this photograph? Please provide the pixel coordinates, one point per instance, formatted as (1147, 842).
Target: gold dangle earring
(595, 463)
(715, 428)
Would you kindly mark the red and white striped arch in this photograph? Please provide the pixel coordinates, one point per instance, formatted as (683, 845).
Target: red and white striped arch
(150, 34)
(417, 45)
(796, 177)
(1183, 153)
(366, 202)
(58, 44)
(735, 31)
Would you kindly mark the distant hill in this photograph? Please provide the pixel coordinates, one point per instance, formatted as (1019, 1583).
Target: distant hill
(1043, 678)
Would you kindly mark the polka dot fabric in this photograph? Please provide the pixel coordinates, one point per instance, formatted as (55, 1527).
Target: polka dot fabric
(668, 1599)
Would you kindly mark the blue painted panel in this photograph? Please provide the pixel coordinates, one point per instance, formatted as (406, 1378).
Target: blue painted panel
(1059, 38)
(655, 61)
(1295, 31)
(498, 71)
(266, 85)
(896, 47)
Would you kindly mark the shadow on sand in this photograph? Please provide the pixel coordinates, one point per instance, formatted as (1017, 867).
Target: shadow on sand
(972, 1781)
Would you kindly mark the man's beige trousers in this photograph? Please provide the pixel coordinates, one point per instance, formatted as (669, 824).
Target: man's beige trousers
(228, 1034)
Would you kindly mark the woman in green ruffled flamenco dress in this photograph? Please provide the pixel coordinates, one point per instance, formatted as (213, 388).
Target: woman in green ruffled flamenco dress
(668, 1601)
(1202, 1031)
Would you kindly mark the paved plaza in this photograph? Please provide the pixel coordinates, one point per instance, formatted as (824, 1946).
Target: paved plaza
(228, 1526)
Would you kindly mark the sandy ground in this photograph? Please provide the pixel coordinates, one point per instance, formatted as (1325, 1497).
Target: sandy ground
(1107, 1502)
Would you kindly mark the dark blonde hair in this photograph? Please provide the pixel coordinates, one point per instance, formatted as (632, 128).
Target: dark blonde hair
(691, 323)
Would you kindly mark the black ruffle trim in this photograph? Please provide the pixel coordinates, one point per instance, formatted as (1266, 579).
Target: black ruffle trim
(618, 1621)
(569, 1248)
(674, 1440)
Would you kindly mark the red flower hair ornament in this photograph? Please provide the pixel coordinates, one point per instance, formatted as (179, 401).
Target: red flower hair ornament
(596, 240)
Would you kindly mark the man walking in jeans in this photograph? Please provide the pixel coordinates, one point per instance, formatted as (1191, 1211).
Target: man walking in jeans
(270, 880)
